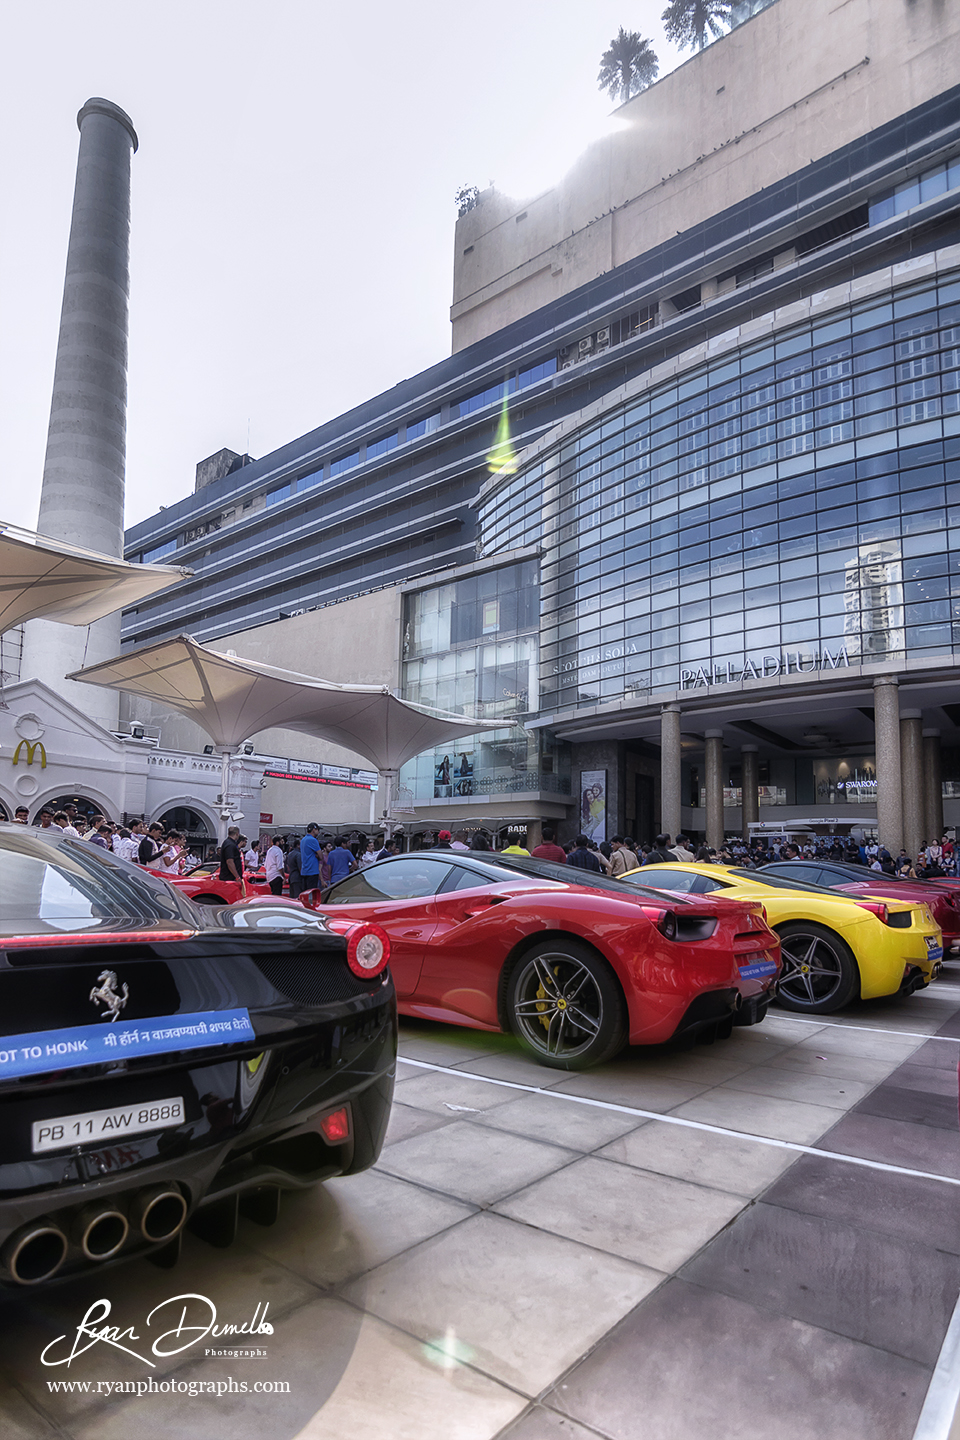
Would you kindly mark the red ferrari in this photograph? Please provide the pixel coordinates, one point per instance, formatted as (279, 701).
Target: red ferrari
(942, 895)
(204, 885)
(575, 965)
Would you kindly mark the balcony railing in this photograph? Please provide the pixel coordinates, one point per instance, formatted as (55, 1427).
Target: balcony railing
(524, 781)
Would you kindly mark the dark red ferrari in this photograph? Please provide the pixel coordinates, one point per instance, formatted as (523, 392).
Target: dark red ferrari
(575, 965)
(942, 896)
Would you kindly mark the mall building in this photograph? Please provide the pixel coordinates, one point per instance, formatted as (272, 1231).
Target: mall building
(683, 505)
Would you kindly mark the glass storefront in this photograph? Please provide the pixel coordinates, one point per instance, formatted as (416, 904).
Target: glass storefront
(471, 646)
(792, 506)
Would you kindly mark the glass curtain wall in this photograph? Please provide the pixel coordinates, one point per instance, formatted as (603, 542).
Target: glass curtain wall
(801, 495)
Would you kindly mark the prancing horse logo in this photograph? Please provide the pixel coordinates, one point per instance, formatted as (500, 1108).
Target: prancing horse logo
(105, 993)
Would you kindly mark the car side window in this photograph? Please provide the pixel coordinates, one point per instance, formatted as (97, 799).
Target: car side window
(665, 878)
(703, 884)
(461, 879)
(404, 879)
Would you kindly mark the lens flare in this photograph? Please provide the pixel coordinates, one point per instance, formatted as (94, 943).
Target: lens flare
(502, 458)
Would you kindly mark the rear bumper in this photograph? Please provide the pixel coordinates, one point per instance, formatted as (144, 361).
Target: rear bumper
(240, 1140)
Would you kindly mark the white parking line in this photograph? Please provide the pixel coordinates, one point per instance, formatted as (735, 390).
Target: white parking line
(676, 1120)
(942, 1405)
(871, 1029)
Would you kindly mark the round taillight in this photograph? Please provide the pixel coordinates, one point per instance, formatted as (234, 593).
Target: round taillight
(368, 946)
(665, 920)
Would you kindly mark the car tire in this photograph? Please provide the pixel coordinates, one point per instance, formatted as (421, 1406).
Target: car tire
(820, 974)
(565, 1005)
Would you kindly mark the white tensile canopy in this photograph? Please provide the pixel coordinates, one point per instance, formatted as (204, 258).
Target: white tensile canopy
(232, 699)
(44, 577)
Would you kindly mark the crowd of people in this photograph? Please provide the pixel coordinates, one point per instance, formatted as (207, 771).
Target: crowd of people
(316, 861)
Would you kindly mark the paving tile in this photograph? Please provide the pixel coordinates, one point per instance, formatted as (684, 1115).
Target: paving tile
(891, 1293)
(472, 1162)
(350, 1377)
(407, 1120)
(926, 1079)
(901, 1205)
(235, 1280)
(448, 1044)
(439, 1093)
(810, 1087)
(759, 1114)
(895, 1142)
(654, 1219)
(540, 1424)
(526, 1303)
(579, 1127)
(517, 1067)
(347, 1226)
(803, 1061)
(757, 1376)
(845, 1040)
(937, 1055)
(635, 1089)
(19, 1419)
(895, 1102)
(742, 1167)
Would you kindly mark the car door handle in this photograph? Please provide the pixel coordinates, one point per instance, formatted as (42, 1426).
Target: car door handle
(410, 934)
(477, 907)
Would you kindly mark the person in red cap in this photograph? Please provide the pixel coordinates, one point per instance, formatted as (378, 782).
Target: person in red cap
(443, 841)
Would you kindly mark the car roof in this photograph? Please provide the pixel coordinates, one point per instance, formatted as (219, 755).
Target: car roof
(856, 872)
(490, 865)
(778, 882)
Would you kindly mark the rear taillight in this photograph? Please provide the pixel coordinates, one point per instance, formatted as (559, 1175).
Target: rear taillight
(876, 907)
(665, 920)
(368, 947)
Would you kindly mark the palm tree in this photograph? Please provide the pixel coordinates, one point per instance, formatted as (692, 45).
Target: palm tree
(628, 67)
(686, 22)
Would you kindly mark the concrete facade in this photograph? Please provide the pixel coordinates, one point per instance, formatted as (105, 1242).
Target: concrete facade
(795, 83)
(81, 500)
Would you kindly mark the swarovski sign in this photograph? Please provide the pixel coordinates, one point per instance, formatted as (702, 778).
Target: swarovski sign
(765, 667)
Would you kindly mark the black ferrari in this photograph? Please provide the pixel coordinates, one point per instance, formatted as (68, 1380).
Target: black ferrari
(163, 1064)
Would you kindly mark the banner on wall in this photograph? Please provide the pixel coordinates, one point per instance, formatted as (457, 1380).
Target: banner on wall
(593, 804)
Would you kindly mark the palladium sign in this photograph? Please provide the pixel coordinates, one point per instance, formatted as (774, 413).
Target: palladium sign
(790, 662)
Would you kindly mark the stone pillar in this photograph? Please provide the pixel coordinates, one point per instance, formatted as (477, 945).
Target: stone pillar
(911, 780)
(81, 500)
(932, 786)
(714, 788)
(886, 702)
(670, 817)
(749, 787)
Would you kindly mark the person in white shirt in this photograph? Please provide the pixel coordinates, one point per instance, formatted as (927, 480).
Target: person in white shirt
(251, 859)
(171, 853)
(369, 856)
(273, 866)
(63, 820)
(682, 850)
(459, 841)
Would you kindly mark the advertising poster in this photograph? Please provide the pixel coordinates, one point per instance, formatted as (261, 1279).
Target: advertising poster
(593, 804)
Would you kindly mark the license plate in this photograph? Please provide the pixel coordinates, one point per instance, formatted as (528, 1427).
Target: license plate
(934, 951)
(62, 1131)
(757, 969)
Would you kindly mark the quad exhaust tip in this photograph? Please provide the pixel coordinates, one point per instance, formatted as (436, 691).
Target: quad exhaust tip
(160, 1213)
(36, 1252)
(100, 1231)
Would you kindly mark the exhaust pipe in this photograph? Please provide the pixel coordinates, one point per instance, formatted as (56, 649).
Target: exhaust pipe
(35, 1252)
(100, 1231)
(159, 1212)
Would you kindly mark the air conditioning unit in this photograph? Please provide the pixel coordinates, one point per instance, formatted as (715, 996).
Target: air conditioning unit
(603, 337)
(565, 352)
(586, 345)
(567, 365)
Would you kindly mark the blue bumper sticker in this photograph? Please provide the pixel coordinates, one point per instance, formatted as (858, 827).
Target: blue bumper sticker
(47, 1050)
(758, 970)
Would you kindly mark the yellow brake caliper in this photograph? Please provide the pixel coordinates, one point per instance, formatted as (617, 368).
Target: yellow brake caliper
(542, 1005)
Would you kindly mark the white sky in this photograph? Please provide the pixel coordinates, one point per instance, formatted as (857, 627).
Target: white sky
(293, 205)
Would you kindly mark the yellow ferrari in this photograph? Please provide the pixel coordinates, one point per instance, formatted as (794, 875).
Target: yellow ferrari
(835, 948)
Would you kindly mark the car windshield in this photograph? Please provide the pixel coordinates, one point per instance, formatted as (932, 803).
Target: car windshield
(841, 869)
(547, 870)
(779, 882)
(66, 885)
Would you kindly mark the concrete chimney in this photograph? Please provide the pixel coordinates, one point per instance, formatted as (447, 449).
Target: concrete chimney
(81, 500)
